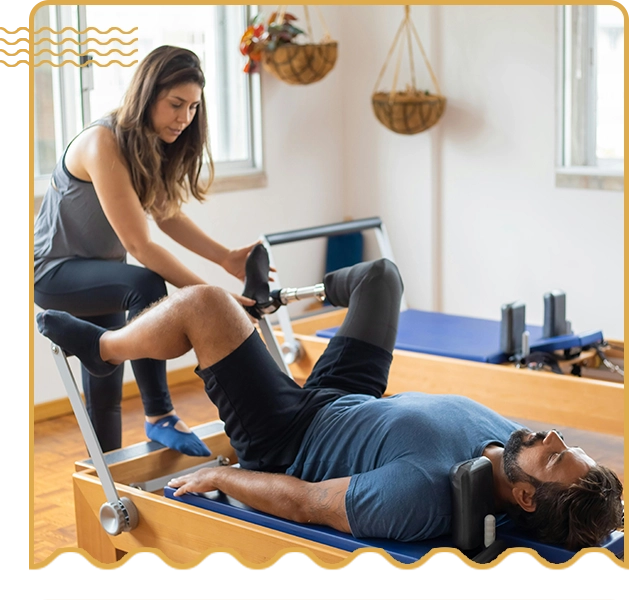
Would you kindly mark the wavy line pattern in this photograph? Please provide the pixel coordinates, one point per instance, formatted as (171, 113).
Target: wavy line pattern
(15, 53)
(77, 42)
(14, 43)
(71, 62)
(13, 32)
(15, 65)
(73, 30)
(87, 53)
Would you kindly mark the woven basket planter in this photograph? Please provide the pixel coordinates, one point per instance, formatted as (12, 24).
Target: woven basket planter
(301, 64)
(408, 112)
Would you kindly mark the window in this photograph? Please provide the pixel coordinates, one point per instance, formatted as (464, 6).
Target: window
(591, 148)
(68, 98)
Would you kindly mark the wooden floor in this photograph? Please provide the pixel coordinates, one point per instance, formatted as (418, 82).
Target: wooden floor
(58, 444)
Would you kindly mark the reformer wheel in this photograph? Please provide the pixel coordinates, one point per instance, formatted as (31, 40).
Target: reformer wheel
(118, 517)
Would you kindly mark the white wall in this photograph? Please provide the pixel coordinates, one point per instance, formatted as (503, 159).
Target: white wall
(471, 205)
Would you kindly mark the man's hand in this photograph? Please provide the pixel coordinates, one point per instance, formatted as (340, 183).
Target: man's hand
(200, 481)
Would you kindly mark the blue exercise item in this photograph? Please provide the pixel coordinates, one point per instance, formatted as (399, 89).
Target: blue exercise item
(469, 338)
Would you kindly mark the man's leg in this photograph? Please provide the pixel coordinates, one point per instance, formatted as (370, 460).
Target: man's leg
(202, 317)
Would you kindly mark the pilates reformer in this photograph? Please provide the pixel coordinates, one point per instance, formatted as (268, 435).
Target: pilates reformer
(140, 512)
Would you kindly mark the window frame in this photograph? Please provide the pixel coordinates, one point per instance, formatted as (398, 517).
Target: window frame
(71, 110)
(595, 173)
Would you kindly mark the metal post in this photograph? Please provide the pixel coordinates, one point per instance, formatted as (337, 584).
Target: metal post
(117, 514)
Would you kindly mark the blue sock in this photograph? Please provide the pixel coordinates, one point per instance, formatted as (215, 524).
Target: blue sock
(76, 338)
(164, 432)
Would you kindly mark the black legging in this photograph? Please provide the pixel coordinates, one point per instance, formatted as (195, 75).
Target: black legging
(101, 291)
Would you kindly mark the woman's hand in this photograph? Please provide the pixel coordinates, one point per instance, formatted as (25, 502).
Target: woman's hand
(234, 262)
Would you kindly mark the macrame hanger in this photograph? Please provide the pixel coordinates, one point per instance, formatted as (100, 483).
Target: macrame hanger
(326, 37)
(281, 10)
(386, 62)
(397, 71)
(421, 48)
(407, 18)
(308, 24)
(407, 24)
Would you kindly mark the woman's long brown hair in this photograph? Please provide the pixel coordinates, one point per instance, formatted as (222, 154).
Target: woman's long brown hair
(163, 174)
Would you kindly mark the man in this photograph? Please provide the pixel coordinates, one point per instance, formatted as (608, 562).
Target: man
(335, 451)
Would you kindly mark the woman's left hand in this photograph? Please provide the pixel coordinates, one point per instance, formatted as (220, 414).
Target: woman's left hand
(236, 259)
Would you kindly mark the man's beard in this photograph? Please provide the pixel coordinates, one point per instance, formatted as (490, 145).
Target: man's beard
(514, 447)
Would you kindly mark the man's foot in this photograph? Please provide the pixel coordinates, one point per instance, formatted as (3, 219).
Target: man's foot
(257, 280)
(166, 433)
(76, 338)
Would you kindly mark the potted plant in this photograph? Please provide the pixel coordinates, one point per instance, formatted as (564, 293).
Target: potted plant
(271, 43)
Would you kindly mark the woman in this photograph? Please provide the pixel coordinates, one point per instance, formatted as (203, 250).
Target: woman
(140, 161)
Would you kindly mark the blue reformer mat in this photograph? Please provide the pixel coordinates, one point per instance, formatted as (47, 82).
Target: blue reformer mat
(469, 338)
(406, 553)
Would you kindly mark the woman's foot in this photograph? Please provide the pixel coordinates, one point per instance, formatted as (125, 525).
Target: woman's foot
(76, 338)
(172, 432)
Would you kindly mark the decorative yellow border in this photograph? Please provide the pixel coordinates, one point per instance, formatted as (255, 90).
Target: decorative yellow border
(128, 557)
(406, 567)
(461, 597)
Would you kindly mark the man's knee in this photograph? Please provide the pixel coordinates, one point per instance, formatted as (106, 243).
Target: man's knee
(373, 276)
(206, 301)
(213, 321)
(385, 272)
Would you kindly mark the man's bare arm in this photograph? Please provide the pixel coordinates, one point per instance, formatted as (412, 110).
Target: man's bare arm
(321, 503)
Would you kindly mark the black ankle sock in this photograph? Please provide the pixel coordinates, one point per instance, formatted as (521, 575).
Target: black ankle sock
(257, 280)
(76, 338)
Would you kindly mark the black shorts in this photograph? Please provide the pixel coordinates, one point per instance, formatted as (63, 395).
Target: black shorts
(266, 413)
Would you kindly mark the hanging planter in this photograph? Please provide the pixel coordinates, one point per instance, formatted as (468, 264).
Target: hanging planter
(273, 46)
(300, 64)
(412, 110)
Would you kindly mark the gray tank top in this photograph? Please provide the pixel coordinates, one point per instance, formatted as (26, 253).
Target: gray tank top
(71, 222)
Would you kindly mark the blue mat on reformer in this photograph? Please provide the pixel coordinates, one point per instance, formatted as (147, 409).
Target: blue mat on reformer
(469, 338)
(404, 552)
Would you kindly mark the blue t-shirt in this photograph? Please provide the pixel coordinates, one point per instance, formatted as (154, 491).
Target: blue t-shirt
(398, 451)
